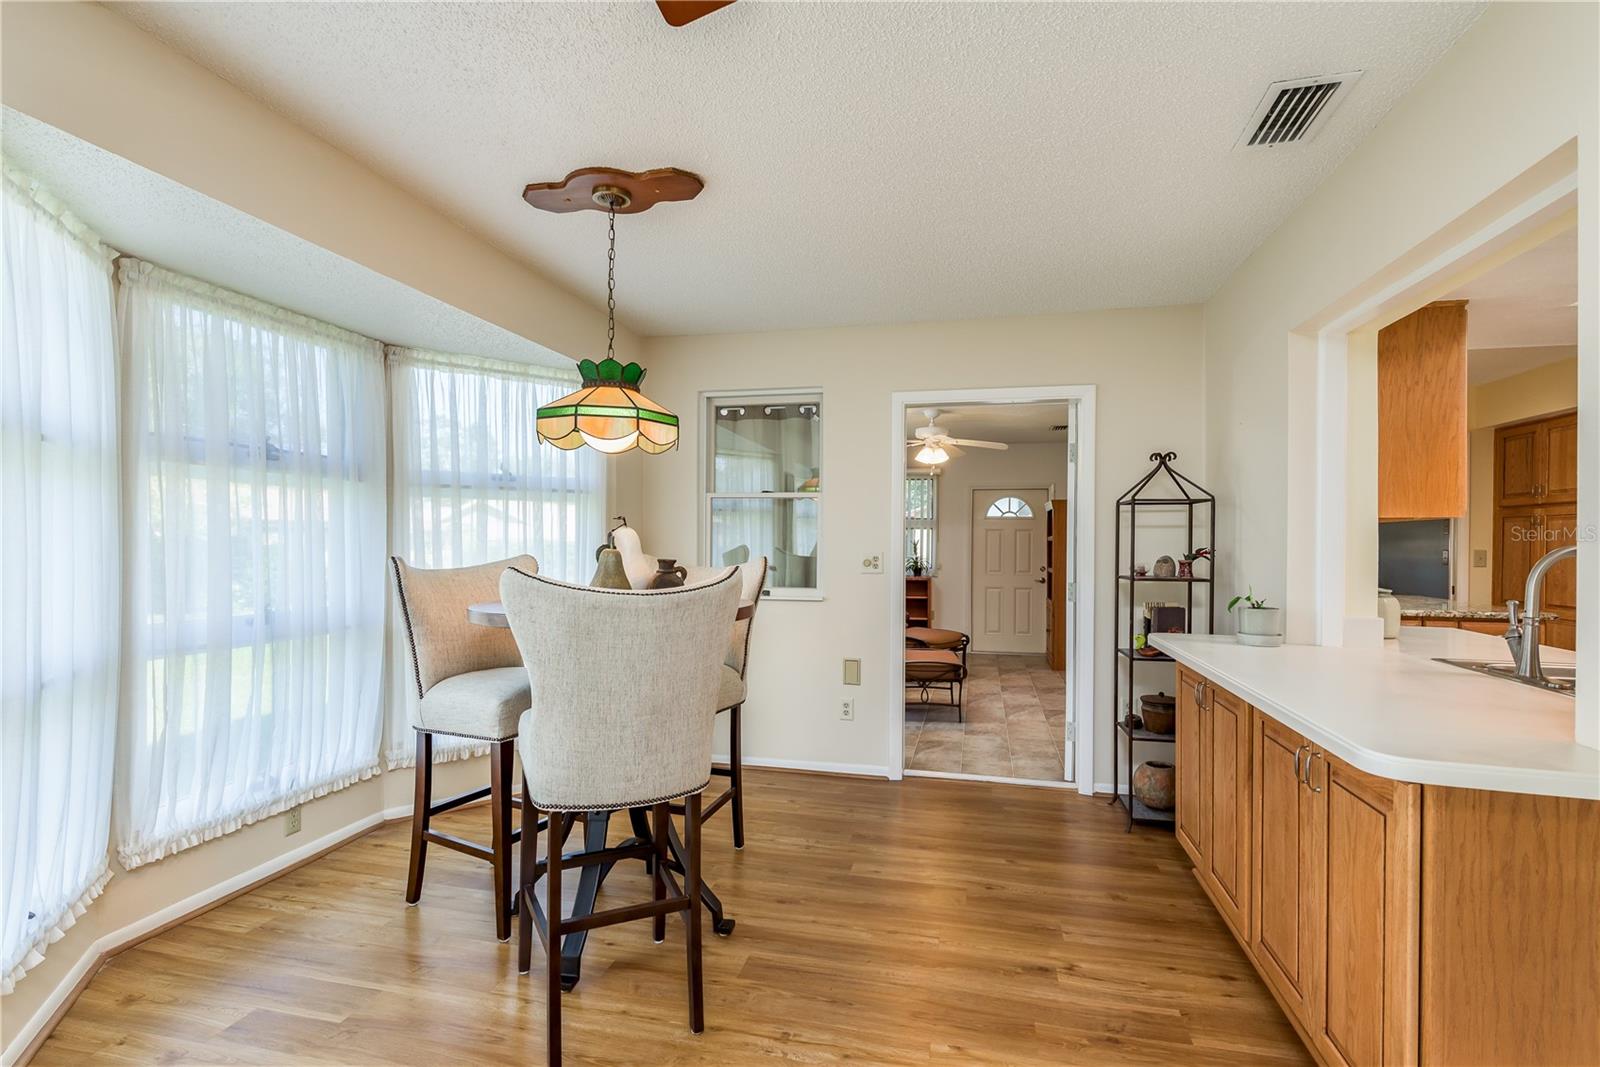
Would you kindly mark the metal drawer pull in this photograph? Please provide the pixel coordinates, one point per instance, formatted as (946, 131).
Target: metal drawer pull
(1199, 692)
(1315, 754)
(1301, 748)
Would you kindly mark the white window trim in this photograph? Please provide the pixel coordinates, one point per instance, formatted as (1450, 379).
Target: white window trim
(707, 427)
(932, 521)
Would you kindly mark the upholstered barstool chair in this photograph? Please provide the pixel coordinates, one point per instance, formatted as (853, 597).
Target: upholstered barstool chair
(732, 692)
(623, 686)
(469, 682)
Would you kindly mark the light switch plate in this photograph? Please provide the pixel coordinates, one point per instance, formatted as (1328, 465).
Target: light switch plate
(871, 564)
(852, 672)
(1480, 557)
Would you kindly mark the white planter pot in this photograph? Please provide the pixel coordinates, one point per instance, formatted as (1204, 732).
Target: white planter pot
(1261, 626)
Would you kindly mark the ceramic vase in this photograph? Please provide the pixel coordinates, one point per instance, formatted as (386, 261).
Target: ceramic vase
(1153, 784)
(668, 575)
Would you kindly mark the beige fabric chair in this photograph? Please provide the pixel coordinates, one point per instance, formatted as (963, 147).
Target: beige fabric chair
(623, 684)
(470, 682)
(732, 690)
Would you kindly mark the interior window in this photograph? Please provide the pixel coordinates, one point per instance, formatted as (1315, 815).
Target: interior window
(764, 479)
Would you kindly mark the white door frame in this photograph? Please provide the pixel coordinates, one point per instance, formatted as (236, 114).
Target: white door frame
(972, 544)
(1080, 559)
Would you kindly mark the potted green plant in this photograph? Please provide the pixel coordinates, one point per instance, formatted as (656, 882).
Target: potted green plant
(1258, 624)
(916, 565)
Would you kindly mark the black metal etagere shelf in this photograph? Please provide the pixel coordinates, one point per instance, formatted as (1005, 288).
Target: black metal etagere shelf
(1190, 496)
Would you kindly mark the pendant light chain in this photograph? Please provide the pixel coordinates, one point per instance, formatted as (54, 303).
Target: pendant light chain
(611, 284)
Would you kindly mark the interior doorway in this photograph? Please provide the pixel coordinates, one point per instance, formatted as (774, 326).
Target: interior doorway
(990, 601)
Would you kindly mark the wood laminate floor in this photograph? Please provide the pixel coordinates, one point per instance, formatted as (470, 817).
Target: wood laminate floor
(921, 922)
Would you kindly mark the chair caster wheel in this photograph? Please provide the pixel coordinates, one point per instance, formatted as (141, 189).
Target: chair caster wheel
(722, 927)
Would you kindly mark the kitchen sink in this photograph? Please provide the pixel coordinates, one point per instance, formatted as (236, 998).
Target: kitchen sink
(1557, 679)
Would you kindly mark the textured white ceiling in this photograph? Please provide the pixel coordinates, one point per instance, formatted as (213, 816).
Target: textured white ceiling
(864, 162)
(145, 214)
(1526, 302)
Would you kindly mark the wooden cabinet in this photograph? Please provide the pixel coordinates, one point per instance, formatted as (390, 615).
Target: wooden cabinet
(1227, 783)
(1394, 924)
(919, 600)
(1422, 414)
(1536, 510)
(1536, 462)
(1285, 858)
(1193, 745)
(1367, 884)
(1055, 586)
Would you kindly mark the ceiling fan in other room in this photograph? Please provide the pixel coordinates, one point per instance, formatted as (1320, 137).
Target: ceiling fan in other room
(935, 446)
(683, 12)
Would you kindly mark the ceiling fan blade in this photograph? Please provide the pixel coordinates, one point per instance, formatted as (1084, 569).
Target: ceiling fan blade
(979, 444)
(950, 447)
(683, 12)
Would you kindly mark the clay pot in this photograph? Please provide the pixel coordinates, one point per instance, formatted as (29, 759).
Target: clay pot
(1166, 567)
(1153, 784)
(1158, 712)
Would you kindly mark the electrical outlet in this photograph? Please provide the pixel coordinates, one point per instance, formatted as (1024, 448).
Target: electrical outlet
(291, 821)
(871, 564)
(847, 709)
(1480, 557)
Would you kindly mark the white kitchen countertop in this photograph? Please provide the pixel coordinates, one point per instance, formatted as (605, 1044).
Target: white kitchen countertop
(1393, 712)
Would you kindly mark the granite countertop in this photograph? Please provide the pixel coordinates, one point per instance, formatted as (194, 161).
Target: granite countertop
(1427, 607)
(1395, 712)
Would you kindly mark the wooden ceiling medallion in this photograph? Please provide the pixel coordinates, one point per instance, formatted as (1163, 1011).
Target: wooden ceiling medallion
(683, 12)
(597, 189)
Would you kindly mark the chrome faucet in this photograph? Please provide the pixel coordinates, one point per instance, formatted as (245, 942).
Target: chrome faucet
(1523, 635)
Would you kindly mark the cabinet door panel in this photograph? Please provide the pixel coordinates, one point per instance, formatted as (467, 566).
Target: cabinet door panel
(1192, 743)
(1517, 471)
(1228, 778)
(1366, 1009)
(1516, 547)
(1561, 461)
(1285, 908)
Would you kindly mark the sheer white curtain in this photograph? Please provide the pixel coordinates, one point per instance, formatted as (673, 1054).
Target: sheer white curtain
(59, 571)
(256, 532)
(472, 484)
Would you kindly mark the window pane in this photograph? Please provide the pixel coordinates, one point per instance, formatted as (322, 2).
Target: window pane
(1009, 507)
(766, 446)
(782, 529)
(919, 498)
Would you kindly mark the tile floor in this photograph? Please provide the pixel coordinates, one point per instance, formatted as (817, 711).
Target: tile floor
(1015, 722)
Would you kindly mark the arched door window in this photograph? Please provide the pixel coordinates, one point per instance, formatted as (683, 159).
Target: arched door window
(1009, 507)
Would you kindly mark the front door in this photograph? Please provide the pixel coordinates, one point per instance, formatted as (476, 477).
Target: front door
(1008, 579)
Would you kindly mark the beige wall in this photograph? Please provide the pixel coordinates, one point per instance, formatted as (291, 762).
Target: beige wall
(1525, 71)
(1425, 179)
(1020, 466)
(1145, 363)
(1543, 390)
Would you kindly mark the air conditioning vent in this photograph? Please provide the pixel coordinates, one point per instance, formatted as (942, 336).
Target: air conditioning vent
(1292, 112)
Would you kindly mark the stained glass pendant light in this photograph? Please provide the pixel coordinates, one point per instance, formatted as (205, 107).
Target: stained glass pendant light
(608, 413)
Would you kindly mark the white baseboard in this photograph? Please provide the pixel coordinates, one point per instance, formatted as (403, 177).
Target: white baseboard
(108, 943)
(865, 770)
(957, 776)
